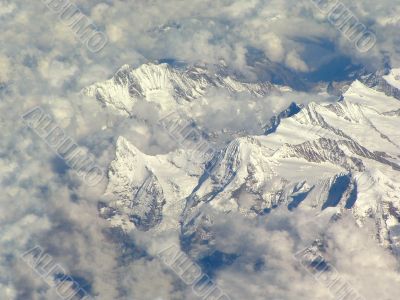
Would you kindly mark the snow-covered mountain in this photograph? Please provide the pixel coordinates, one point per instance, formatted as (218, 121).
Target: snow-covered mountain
(336, 157)
(386, 81)
(169, 86)
(331, 158)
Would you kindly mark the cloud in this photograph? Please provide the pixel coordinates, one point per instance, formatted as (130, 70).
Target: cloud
(205, 31)
(5, 68)
(267, 268)
(294, 61)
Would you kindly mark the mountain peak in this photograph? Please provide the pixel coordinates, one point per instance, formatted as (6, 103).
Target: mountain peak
(359, 93)
(335, 157)
(168, 86)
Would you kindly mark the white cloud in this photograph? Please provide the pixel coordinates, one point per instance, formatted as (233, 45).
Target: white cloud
(5, 68)
(267, 268)
(294, 61)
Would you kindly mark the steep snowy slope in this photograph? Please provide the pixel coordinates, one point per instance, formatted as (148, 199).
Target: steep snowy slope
(331, 158)
(168, 86)
(340, 156)
(145, 191)
(386, 81)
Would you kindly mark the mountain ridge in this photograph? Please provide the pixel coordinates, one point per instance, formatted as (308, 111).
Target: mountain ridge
(336, 157)
(170, 87)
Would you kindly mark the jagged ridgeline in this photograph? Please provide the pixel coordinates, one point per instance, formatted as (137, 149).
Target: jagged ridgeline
(333, 157)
